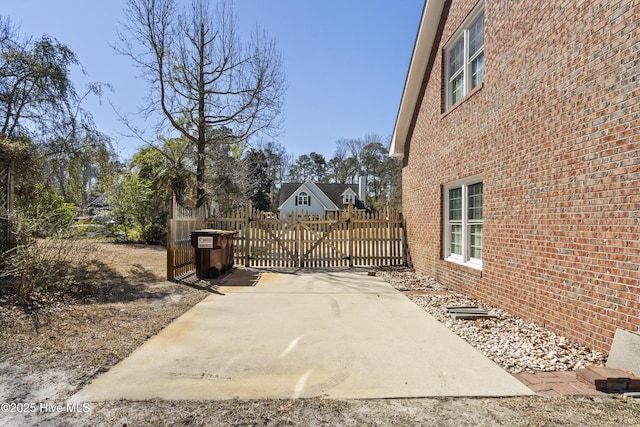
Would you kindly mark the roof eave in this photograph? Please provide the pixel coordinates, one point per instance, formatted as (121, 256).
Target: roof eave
(324, 200)
(293, 194)
(314, 191)
(423, 46)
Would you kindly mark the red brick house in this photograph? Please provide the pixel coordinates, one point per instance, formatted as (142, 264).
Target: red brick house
(519, 127)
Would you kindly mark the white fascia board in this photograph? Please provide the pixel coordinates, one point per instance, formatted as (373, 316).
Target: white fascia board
(429, 23)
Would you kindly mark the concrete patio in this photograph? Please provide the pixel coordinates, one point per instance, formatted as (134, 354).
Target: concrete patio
(335, 334)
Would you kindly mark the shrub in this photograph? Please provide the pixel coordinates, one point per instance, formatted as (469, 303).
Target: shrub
(43, 210)
(44, 263)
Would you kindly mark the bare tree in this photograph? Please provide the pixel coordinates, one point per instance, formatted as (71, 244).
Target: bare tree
(347, 163)
(343, 166)
(8, 32)
(201, 77)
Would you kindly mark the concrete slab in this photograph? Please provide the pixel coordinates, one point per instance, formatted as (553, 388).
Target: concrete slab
(625, 352)
(330, 334)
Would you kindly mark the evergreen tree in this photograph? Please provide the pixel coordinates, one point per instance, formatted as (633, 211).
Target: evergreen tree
(258, 183)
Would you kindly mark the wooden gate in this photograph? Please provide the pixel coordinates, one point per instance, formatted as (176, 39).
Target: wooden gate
(347, 238)
(299, 240)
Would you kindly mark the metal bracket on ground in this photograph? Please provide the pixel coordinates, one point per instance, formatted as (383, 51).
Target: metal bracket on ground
(468, 313)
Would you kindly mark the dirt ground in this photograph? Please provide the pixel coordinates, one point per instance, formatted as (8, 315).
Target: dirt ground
(45, 359)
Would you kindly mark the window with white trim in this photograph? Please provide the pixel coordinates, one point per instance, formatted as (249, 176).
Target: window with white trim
(464, 58)
(463, 222)
(302, 199)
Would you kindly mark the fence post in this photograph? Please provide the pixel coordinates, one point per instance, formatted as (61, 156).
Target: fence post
(406, 257)
(170, 249)
(247, 235)
(388, 245)
(350, 232)
(299, 232)
(170, 242)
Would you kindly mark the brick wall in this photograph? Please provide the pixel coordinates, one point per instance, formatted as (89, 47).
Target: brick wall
(555, 133)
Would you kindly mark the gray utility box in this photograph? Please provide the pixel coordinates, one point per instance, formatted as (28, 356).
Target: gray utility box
(214, 252)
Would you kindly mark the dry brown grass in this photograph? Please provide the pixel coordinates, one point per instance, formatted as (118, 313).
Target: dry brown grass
(77, 338)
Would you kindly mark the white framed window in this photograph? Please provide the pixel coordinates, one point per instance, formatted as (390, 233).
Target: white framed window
(463, 222)
(303, 199)
(348, 198)
(464, 58)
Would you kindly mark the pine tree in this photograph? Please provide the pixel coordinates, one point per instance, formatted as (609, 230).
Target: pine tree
(258, 183)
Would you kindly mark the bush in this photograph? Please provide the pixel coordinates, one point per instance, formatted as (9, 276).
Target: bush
(43, 263)
(155, 233)
(43, 211)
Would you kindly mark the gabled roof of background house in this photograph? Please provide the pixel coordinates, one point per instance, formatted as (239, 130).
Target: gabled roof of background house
(333, 192)
(98, 202)
(418, 69)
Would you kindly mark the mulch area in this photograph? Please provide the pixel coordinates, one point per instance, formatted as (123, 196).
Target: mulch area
(549, 384)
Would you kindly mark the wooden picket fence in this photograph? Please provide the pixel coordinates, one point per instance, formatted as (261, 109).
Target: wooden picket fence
(180, 253)
(347, 238)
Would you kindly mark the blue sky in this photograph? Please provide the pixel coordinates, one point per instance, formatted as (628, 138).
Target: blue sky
(345, 61)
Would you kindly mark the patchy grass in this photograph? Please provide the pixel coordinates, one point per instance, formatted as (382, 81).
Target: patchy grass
(126, 301)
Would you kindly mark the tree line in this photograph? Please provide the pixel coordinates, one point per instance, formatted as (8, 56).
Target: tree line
(59, 156)
(240, 172)
(217, 102)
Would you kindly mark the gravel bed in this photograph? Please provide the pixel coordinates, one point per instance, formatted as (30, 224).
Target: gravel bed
(516, 345)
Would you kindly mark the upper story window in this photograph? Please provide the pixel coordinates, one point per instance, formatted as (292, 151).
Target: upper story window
(303, 199)
(464, 58)
(348, 198)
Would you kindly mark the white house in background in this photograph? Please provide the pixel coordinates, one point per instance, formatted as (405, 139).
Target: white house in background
(318, 199)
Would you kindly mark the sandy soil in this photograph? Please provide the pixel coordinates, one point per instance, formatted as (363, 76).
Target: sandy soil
(45, 359)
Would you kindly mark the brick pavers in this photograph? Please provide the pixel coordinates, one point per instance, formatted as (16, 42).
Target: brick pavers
(559, 383)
